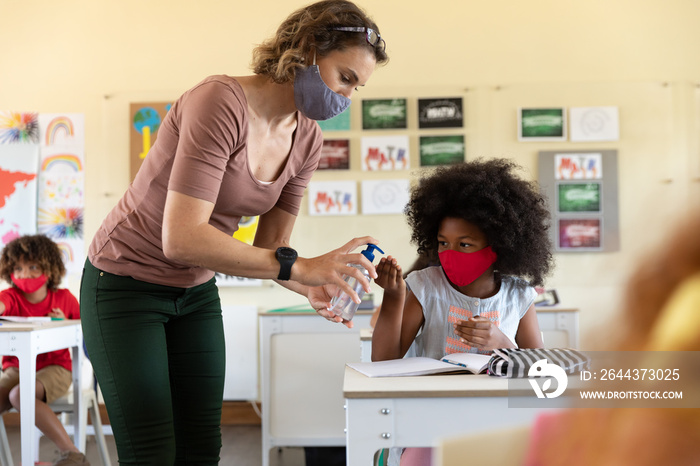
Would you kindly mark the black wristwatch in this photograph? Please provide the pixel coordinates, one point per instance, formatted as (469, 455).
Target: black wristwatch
(286, 257)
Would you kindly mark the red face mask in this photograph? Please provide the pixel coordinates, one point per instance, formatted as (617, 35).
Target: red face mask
(29, 285)
(462, 268)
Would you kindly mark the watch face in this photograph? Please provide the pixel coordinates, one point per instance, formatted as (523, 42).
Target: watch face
(286, 253)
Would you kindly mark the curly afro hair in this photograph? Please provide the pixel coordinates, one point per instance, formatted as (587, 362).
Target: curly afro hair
(510, 211)
(33, 248)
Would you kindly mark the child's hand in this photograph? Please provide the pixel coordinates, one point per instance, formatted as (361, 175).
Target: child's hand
(479, 332)
(389, 275)
(56, 313)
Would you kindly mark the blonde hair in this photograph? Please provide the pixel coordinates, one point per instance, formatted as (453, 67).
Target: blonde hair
(279, 57)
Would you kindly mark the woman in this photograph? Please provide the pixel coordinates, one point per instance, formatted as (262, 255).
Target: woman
(229, 147)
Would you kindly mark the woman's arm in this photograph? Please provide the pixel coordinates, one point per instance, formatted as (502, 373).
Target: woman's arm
(528, 334)
(188, 237)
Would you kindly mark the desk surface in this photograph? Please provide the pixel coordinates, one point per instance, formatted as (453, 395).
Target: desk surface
(357, 385)
(7, 326)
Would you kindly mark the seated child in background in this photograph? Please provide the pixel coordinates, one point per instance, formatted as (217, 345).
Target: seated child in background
(489, 230)
(33, 265)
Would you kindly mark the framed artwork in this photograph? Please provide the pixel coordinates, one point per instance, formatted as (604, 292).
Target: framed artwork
(335, 154)
(384, 196)
(594, 124)
(440, 113)
(332, 198)
(384, 114)
(579, 197)
(441, 150)
(144, 123)
(339, 122)
(385, 153)
(542, 124)
(580, 234)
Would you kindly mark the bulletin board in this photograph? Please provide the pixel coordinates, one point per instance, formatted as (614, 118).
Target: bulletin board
(581, 186)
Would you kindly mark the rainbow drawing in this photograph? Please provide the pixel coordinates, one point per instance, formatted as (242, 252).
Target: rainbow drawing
(60, 124)
(70, 160)
(66, 252)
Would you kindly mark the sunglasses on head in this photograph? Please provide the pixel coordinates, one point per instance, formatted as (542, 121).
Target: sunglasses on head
(372, 36)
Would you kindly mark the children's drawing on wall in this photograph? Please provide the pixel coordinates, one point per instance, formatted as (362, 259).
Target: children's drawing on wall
(62, 129)
(335, 154)
(340, 122)
(592, 124)
(62, 184)
(19, 166)
(247, 226)
(579, 197)
(19, 128)
(144, 122)
(332, 198)
(384, 114)
(384, 196)
(585, 166)
(385, 153)
(541, 124)
(440, 113)
(579, 234)
(441, 150)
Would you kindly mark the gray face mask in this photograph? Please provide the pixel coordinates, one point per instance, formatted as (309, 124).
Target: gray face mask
(313, 98)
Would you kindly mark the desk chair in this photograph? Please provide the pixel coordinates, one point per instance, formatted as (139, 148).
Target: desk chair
(64, 407)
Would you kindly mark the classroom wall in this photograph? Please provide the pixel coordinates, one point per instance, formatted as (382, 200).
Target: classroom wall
(97, 56)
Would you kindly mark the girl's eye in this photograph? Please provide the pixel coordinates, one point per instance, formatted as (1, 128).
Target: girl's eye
(464, 245)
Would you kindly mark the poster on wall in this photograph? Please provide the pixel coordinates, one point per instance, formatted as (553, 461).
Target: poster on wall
(335, 154)
(583, 199)
(384, 196)
(384, 114)
(385, 153)
(332, 198)
(579, 234)
(144, 121)
(340, 122)
(594, 124)
(579, 197)
(578, 166)
(19, 128)
(19, 170)
(441, 150)
(541, 124)
(247, 226)
(440, 113)
(62, 185)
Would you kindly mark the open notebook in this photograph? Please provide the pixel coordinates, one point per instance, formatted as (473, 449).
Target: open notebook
(466, 363)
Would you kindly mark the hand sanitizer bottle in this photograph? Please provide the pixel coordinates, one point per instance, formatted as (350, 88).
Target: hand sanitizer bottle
(342, 304)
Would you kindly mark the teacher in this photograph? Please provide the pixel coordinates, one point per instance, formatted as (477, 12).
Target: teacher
(229, 147)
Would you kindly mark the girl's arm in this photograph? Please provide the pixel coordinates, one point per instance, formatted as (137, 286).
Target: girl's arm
(401, 315)
(188, 237)
(528, 334)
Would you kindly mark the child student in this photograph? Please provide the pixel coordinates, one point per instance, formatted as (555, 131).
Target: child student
(488, 229)
(33, 265)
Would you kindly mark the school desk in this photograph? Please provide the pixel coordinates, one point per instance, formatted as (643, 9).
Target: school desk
(385, 412)
(302, 356)
(26, 341)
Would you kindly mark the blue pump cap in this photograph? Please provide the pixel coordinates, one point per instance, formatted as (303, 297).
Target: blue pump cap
(369, 252)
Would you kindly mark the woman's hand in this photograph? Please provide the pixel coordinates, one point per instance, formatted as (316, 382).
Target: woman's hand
(479, 332)
(330, 269)
(320, 299)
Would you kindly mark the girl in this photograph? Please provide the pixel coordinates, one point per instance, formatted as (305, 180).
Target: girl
(487, 229)
(34, 267)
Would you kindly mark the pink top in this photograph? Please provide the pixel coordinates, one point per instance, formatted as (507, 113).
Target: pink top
(200, 152)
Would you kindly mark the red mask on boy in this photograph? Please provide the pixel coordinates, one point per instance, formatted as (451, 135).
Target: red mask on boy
(29, 285)
(462, 268)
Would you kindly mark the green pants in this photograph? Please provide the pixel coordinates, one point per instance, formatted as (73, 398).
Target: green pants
(159, 357)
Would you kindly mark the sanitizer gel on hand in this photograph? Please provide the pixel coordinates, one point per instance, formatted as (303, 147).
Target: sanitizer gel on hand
(342, 304)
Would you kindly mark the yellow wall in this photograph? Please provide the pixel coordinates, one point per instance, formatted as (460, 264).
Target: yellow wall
(97, 56)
